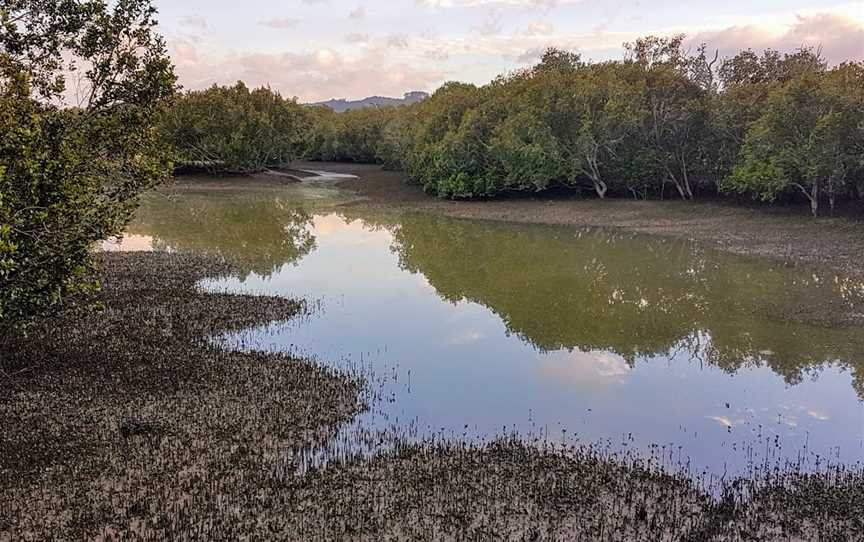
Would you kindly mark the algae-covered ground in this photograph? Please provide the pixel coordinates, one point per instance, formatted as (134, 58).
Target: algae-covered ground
(131, 424)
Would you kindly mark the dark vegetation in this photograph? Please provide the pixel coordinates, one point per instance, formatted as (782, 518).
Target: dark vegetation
(132, 425)
(235, 130)
(70, 172)
(662, 123)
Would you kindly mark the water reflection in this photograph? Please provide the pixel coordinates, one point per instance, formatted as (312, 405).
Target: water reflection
(260, 234)
(638, 297)
(483, 325)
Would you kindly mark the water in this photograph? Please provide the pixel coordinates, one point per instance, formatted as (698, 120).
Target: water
(475, 328)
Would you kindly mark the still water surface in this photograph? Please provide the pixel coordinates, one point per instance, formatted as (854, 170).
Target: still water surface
(479, 328)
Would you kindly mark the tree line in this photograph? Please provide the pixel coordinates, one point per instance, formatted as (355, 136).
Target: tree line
(663, 122)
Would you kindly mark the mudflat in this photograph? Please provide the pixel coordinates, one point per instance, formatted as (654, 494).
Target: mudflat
(131, 424)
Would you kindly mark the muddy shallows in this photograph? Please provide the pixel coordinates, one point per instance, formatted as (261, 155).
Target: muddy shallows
(132, 424)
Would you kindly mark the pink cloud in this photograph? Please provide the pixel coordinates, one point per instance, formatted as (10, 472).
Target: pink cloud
(841, 38)
(311, 76)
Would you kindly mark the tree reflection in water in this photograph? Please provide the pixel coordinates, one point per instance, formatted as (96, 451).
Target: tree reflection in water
(563, 288)
(260, 232)
(559, 288)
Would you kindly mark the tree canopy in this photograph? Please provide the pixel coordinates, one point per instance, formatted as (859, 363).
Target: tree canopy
(663, 121)
(73, 157)
(234, 129)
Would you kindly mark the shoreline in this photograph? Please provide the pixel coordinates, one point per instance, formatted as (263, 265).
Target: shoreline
(132, 424)
(788, 235)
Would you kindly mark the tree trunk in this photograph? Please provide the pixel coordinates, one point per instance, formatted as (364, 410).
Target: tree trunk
(814, 200)
(687, 188)
(812, 195)
(682, 188)
(600, 187)
(832, 195)
(594, 173)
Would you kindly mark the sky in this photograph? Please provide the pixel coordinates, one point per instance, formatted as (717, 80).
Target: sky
(321, 49)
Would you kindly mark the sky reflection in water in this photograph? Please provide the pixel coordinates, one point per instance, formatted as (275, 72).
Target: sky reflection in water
(536, 328)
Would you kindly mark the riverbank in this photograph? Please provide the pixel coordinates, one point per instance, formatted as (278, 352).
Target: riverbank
(131, 424)
(788, 234)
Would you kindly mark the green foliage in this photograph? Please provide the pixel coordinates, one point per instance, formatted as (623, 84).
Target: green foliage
(661, 121)
(71, 175)
(808, 138)
(234, 130)
(352, 136)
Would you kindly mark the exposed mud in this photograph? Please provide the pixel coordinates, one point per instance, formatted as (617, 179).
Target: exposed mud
(130, 421)
(131, 424)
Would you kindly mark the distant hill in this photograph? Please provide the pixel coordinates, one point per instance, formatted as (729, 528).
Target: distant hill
(374, 101)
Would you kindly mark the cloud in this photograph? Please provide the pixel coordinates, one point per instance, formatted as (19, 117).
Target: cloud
(820, 415)
(531, 56)
(194, 21)
(358, 62)
(311, 76)
(539, 28)
(841, 37)
(358, 13)
(491, 25)
(281, 24)
(466, 337)
(438, 54)
(397, 41)
(589, 369)
(356, 37)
